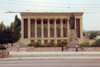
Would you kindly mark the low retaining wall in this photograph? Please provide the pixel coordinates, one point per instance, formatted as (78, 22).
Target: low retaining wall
(43, 49)
(91, 48)
(3, 53)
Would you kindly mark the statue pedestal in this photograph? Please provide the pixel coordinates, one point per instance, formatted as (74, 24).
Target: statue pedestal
(73, 41)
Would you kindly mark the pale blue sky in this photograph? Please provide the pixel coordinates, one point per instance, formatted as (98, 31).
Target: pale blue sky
(91, 9)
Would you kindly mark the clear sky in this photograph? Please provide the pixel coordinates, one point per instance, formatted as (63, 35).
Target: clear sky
(91, 9)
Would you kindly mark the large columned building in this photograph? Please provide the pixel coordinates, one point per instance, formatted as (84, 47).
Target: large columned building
(47, 27)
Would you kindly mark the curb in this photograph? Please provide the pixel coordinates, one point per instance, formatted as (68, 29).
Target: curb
(50, 58)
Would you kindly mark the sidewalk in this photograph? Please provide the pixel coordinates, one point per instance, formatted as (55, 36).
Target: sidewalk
(57, 54)
(23, 55)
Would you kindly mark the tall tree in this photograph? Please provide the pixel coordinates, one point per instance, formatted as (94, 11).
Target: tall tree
(93, 35)
(2, 27)
(10, 34)
(15, 28)
(3, 38)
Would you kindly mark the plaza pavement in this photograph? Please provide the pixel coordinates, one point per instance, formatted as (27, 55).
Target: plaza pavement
(24, 55)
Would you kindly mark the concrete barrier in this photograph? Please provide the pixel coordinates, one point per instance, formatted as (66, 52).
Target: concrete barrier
(43, 49)
(91, 48)
(4, 53)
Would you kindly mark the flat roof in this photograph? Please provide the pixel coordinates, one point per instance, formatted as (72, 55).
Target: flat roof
(50, 13)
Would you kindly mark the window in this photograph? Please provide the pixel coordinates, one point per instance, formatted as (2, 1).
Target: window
(39, 41)
(38, 21)
(45, 21)
(45, 32)
(38, 32)
(32, 41)
(52, 41)
(33, 21)
(58, 21)
(64, 21)
(51, 21)
(51, 32)
(32, 27)
(25, 28)
(58, 41)
(45, 41)
(58, 32)
(78, 27)
(64, 32)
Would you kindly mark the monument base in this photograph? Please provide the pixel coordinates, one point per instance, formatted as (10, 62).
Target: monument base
(73, 42)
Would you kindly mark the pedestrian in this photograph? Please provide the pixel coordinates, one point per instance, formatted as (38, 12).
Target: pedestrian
(76, 46)
(18, 48)
(62, 48)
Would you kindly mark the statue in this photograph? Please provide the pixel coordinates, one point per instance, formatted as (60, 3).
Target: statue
(72, 21)
(73, 41)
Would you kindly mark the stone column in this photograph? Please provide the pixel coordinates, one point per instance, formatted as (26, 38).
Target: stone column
(68, 30)
(55, 28)
(61, 28)
(48, 29)
(22, 28)
(35, 28)
(29, 28)
(75, 23)
(42, 30)
(55, 32)
(81, 28)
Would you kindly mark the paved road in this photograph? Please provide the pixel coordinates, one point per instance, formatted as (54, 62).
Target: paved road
(50, 63)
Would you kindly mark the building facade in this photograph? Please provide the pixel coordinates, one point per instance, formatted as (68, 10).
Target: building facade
(47, 27)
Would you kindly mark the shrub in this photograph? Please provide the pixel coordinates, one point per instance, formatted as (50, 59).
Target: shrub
(62, 43)
(3, 48)
(30, 44)
(85, 45)
(37, 44)
(34, 44)
(58, 45)
(96, 43)
(52, 44)
(47, 45)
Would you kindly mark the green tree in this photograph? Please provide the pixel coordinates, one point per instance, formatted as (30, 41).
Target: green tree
(96, 43)
(10, 34)
(3, 38)
(2, 27)
(15, 28)
(93, 35)
(63, 43)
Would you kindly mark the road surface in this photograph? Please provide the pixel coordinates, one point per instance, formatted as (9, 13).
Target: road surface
(50, 63)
